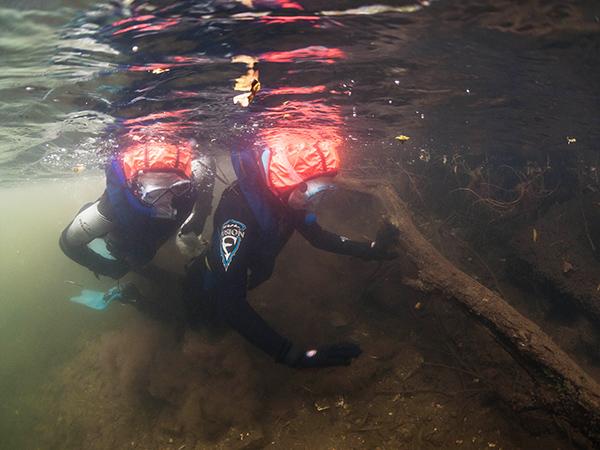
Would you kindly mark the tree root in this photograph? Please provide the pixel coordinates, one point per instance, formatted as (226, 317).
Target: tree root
(563, 388)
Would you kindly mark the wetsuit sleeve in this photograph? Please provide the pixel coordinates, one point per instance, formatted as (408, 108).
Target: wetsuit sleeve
(202, 208)
(203, 177)
(322, 239)
(233, 237)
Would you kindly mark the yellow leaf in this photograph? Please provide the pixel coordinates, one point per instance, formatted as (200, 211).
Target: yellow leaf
(255, 87)
(571, 140)
(402, 138)
(244, 59)
(243, 99)
(246, 98)
(535, 235)
(246, 81)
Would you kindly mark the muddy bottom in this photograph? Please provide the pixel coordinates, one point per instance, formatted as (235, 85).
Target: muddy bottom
(428, 378)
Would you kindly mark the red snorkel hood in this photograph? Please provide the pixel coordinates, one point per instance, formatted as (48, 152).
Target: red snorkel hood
(156, 156)
(295, 151)
(289, 163)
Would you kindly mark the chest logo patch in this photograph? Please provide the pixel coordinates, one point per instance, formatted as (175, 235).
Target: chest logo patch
(232, 233)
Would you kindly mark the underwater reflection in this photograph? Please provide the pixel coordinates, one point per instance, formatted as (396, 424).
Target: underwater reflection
(312, 53)
(301, 123)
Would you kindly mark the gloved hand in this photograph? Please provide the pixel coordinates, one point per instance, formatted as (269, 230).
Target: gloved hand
(382, 248)
(125, 293)
(190, 245)
(330, 355)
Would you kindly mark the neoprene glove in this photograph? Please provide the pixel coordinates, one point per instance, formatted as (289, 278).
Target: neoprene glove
(190, 244)
(382, 248)
(326, 356)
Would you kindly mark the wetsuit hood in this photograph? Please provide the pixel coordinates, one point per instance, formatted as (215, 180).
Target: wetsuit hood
(252, 183)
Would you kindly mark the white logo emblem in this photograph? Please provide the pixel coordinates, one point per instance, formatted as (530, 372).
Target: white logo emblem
(232, 233)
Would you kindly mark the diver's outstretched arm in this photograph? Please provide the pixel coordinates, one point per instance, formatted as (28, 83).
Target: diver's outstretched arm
(331, 242)
(380, 248)
(245, 320)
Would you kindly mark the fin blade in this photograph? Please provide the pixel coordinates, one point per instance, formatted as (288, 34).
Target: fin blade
(91, 299)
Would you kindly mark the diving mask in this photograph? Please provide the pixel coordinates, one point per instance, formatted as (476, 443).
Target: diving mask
(158, 189)
(306, 194)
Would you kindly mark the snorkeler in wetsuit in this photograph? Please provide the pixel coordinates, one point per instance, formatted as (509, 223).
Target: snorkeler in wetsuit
(255, 218)
(152, 187)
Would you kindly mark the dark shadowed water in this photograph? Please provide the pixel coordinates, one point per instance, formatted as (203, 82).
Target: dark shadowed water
(497, 101)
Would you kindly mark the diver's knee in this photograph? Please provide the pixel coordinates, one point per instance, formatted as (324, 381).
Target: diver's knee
(86, 226)
(64, 244)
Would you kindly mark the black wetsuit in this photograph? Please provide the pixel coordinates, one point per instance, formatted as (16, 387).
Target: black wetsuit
(242, 255)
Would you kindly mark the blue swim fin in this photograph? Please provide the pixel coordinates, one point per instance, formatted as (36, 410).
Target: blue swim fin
(93, 299)
(127, 293)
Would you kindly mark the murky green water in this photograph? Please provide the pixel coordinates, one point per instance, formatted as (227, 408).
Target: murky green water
(489, 93)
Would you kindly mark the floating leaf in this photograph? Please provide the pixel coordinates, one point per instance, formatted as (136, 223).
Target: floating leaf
(255, 86)
(534, 235)
(402, 138)
(160, 70)
(567, 266)
(242, 99)
(246, 82)
(571, 140)
(418, 306)
(244, 59)
(246, 98)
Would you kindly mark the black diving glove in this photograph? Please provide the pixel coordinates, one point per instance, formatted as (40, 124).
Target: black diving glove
(330, 355)
(382, 248)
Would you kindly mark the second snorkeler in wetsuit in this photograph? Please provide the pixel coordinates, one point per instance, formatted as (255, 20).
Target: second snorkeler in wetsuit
(152, 188)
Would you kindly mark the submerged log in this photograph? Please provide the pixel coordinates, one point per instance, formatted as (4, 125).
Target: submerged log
(564, 389)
